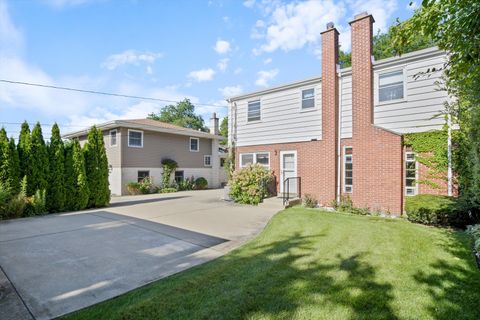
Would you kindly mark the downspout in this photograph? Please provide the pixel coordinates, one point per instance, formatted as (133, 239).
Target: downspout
(449, 150)
(339, 134)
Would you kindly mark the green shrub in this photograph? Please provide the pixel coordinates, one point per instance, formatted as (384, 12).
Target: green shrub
(168, 190)
(344, 205)
(168, 166)
(146, 186)
(250, 184)
(186, 184)
(133, 188)
(200, 184)
(309, 201)
(16, 206)
(431, 209)
(36, 204)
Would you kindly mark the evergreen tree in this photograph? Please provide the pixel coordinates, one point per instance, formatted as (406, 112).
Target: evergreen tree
(82, 192)
(38, 179)
(70, 180)
(96, 165)
(24, 148)
(9, 166)
(56, 183)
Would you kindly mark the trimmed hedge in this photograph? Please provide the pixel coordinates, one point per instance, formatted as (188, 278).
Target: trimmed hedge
(431, 209)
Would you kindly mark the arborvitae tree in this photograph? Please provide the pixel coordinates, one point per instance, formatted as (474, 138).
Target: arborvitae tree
(96, 164)
(38, 179)
(24, 148)
(9, 165)
(56, 183)
(82, 192)
(70, 180)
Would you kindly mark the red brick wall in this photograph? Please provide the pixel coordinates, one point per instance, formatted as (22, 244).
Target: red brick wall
(377, 153)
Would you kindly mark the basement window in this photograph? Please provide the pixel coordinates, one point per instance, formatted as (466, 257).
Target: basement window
(410, 174)
(390, 86)
(142, 175)
(308, 99)
(348, 170)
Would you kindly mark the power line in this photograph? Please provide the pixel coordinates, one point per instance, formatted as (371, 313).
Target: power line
(101, 92)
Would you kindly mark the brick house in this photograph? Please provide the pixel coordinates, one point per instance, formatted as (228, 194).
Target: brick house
(342, 133)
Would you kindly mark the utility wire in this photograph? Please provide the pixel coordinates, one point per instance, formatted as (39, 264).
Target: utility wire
(101, 92)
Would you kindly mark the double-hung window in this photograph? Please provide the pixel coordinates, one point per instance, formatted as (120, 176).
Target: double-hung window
(254, 113)
(113, 138)
(410, 174)
(308, 99)
(135, 138)
(261, 158)
(348, 170)
(194, 144)
(390, 86)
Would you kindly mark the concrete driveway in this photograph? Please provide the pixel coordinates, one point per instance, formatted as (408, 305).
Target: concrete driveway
(57, 264)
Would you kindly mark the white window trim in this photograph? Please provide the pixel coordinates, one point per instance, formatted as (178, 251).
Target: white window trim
(205, 158)
(261, 111)
(116, 137)
(377, 87)
(343, 173)
(416, 175)
(131, 146)
(190, 144)
(315, 107)
(254, 154)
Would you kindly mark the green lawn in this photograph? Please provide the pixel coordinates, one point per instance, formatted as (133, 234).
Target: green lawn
(310, 264)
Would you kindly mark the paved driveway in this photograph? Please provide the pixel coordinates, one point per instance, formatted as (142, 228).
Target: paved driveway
(56, 264)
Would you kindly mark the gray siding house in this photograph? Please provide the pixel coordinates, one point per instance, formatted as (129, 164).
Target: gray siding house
(135, 149)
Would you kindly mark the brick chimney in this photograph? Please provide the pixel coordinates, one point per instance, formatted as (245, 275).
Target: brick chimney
(377, 153)
(330, 106)
(214, 128)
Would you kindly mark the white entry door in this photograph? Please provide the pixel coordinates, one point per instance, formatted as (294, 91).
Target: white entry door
(288, 169)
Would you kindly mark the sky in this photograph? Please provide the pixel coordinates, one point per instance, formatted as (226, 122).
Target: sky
(206, 51)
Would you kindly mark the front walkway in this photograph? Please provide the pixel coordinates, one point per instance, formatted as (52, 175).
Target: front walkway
(60, 263)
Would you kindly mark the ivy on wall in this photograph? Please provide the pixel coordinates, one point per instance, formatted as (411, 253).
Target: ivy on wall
(431, 148)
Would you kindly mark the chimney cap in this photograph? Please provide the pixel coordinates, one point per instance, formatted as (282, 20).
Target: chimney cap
(362, 15)
(214, 115)
(330, 25)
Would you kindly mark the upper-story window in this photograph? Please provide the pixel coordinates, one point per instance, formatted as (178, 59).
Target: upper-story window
(113, 138)
(194, 144)
(135, 138)
(390, 86)
(308, 98)
(253, 111)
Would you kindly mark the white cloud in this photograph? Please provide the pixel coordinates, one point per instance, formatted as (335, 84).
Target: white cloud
(294, 25)
(249, 3)
(222, 47)
(11, 39)
(238, 71)
(267, 61)
(130, 57)
(222, 64)
(381, 10)
(149, 70)
(231, 91)
(265, 76)
(202, 75)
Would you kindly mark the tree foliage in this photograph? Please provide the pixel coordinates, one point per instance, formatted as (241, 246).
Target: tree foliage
(38, 159)
(96, 165)
(181, 114)
(80, 178)
(224, 130)
(454, 25)
(56, 182)
(24, 148)
(9, 165)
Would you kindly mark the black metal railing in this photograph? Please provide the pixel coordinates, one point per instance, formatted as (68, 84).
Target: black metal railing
(286, 189)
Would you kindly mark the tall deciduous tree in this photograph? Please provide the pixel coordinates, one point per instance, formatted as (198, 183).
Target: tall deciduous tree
(224, 130)
(24, 148)
(96, 164)
(56, 181)
(182, 114)
(38, 178)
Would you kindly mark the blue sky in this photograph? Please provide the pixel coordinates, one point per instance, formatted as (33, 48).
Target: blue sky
(203, 50)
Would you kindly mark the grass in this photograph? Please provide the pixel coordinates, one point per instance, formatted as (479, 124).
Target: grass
(310, 264)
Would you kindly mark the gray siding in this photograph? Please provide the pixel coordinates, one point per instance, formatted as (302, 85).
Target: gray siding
(113, 153)
(157, 146)
(282, 119)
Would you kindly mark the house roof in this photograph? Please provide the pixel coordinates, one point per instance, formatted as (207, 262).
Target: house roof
(146, 124)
